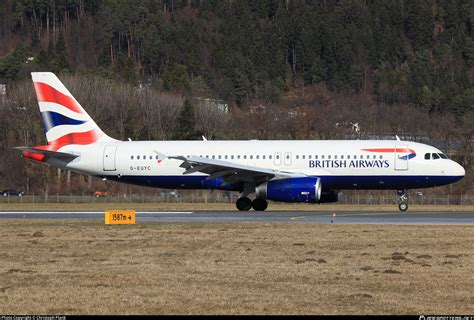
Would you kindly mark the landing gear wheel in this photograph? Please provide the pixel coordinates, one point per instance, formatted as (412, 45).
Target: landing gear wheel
(402, 200)
(259, 204)
(244, 204)
(403, 206)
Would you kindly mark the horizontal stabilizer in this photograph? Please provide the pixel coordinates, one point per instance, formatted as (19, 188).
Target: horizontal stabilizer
(49, 153)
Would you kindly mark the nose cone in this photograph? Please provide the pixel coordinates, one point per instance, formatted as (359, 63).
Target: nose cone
(457, 171)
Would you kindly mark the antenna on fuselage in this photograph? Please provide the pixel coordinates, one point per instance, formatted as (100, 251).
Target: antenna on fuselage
(398, 139)
(204, 138)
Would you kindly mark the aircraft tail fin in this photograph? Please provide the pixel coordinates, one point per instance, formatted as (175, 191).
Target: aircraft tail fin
(64, 120)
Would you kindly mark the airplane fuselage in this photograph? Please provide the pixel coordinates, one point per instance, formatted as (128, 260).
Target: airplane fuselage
(341, 164)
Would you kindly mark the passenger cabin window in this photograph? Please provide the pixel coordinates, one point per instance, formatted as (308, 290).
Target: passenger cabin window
(131, 157)
(138, 157)
(270, 157)
(297, 157)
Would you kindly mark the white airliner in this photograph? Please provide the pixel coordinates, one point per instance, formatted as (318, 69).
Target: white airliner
(284, 171)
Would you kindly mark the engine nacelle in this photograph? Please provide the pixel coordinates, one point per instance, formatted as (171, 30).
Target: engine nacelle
(328, 197)
(305, 189)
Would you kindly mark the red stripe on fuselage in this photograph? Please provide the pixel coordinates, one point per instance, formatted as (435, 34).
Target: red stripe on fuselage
(46, 93)
(398, 150)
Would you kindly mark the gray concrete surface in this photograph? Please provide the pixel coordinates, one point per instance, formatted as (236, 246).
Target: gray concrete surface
(359, 217)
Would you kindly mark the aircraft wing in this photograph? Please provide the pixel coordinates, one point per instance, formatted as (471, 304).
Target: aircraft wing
(230, 172)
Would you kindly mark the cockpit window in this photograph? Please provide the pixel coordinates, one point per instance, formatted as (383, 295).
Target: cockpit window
(427, 156)
(435, 156)
(443, 156)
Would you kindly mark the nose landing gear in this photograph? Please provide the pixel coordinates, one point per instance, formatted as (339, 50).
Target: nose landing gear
(402, 200)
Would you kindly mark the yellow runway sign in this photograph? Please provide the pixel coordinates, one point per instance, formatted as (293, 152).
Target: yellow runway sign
(120, 217)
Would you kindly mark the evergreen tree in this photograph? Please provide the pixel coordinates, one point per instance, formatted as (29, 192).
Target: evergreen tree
(177, 79)
(185, 127)
(419, 23)
(469, 51)
(11, 65)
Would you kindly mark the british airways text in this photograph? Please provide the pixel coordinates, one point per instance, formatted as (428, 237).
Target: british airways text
(349, 164)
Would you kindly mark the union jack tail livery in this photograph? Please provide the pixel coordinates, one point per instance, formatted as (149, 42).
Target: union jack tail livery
(64, 120)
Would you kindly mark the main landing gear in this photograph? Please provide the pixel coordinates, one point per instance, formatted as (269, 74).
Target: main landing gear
(245, 204)
(402, 200)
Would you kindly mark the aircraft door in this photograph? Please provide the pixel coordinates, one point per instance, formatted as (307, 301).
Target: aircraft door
(109, 158)
(401, 158)
(287, 158)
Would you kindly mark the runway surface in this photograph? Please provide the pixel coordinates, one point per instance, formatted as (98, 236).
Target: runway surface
(358, 217)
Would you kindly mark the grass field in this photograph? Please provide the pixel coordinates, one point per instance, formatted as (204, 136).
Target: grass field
(85, 267)
(225, 207)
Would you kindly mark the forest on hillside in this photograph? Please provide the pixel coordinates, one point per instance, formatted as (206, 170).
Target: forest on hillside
(287, 69)
(401, 51)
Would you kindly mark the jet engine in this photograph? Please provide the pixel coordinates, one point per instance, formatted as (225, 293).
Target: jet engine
(329, 196)
(304, 189)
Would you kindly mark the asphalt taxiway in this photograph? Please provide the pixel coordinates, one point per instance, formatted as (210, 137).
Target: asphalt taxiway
(355, 217)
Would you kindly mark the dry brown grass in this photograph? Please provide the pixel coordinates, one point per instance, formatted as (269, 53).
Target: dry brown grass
(85, 267)
(225, 207)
